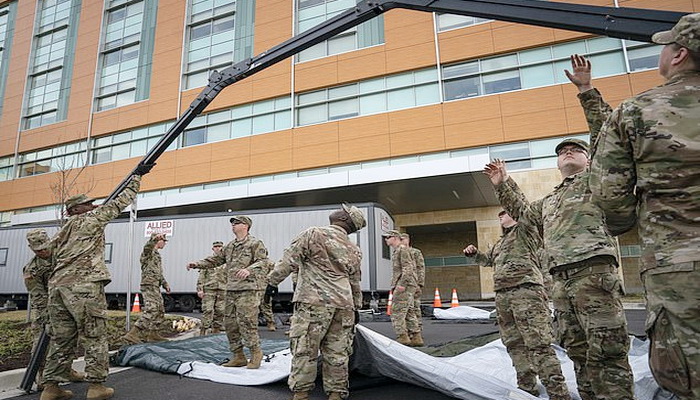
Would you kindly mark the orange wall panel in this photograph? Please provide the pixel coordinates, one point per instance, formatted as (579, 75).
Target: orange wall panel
(474, 133)
(314, 156)
(315, 134)
(465, 44)
(271, 162)
(415, 118)
(424, 140)
(356, 129)
(533, 125)
(273, 141)
(368, 148)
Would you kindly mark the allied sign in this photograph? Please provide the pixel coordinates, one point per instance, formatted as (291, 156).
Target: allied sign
(166, 227)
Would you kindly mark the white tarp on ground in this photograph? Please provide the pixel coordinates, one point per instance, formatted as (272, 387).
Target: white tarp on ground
(274, 367)
(485, 373)
(461, 312)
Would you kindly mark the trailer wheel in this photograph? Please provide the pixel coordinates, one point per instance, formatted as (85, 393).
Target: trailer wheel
(168, 303)
(187, 303)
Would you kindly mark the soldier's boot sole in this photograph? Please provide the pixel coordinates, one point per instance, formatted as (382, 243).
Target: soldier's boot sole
(98, 391)
(202, 332)
(335, 396)
(300, 396)
(238, 359)
(53, 392)
(404, 339)
(255, 358)
(133, 336)
(76, 376)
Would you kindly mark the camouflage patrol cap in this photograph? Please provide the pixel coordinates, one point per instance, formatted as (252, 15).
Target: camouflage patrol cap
(78, 199)
(404, 236)
(356, 216)
(577, 142)
(391, 233)
(154, 234)
(38, 239)
(685, 33)
(243, 219)
(217, 243)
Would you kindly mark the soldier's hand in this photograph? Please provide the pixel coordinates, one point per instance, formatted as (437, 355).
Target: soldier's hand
(167, 289)
(581, 75)
(470, 250)
(357, 317)
(496, 171)
(242, 273)
(191, 265)
(200, 294)
(143, 169)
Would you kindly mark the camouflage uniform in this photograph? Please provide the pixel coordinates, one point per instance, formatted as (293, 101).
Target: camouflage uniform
(403, 317)
(327, 292)
(242, 295)
(415, 312)
(152, 279)
(36, 276)
(587, 290)
(266, 302)
(212, 282)
(77, 303)
(522, 309)
(648, 164)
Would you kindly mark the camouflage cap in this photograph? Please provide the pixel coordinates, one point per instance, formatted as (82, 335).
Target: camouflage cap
(154, 234)
(577, 142)
(217, 243)
(404, 236)
(78, 199)
(38, 239)
(391, 233)
(243, 219)
(685, 33)
(356, 216)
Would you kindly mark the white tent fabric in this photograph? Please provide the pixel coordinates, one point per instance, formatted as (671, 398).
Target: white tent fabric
(485, 373)
(461, 312)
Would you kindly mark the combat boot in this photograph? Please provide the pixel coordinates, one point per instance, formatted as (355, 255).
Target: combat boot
(53, 392)
(215, 331)
(301, 396)
(256, 356)
(202, 331)
(271, 327)
(404, 339)
(76, 376)
(133, 336)
(98, 391)
(238, 359)
(335, 396)
(417, 340)
(154, 336)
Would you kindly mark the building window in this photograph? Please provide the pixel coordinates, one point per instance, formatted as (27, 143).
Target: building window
(126, 53)
(393, 92)
(541, 67)
(313, 12)
(3, 256)
(60, 158)
(7, 23)
(219, 33)
(51, 63)
(6, 164)
(446, 22)
(133, 143)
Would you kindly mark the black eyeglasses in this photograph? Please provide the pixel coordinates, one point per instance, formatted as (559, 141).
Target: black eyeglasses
(573, 149)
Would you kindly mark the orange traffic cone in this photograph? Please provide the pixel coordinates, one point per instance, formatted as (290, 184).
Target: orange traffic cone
(455, 300)
(388, 303)
(437, 302)
(137, 304)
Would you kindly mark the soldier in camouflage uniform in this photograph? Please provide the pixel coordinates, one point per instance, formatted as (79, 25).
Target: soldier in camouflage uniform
(415, 313)
(521, 307)
(266, 303)
(211, 288)
(648, 164)
(149, 323)
(36, 279)
(403, 285)
(77, 303)
(587, 289)
(245, 258)
(327, 264)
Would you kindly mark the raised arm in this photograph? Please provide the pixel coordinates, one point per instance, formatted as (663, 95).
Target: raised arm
(112, 208)
(511, 197)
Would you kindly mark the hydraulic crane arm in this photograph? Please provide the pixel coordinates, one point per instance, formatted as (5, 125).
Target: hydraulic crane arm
(624, 23)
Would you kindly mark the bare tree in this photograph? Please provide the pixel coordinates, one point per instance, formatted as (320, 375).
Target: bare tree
(67, 182)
